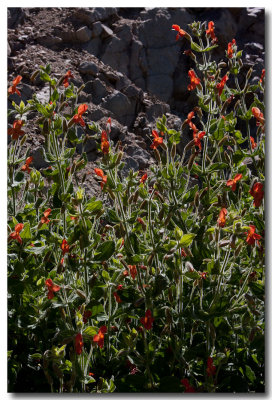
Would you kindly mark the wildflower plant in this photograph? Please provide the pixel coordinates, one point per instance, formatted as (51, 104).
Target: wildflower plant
(158, 284)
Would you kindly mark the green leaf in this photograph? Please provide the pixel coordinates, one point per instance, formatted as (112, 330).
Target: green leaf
(196, 47)
(105, 251)
(91, 330)
(26, 234)
(105, 275)
(186, 239)
(94, 206)
(209, 48)
(217, 166)
(249, 373)
(69, 153)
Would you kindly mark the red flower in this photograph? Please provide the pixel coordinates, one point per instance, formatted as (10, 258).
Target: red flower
(79, 343)
(203, 275)
(15, 235)
(133, 271)
(87, 314)
(25, 167)
(99, 338)
(230, 48)
(253, 143)
(147, 320)
(233, 182)
(198, 137)
(195, 81)
(211, 369)
(143, 178)
(105, 145)
(91, 374)
(257, 192)
(67, 76)
(222, 218)
(45, 220)
(210, 31)
(52, 288)
(64, 247)
(77, 118)
(188, 387)
(16, 130)
(100, 173)
(180, 31)
(183, 253)
(116, 295)
(252, 236)
(262, 76)
(220, 86)
(258, 115)
(157, 141)
(13, 89)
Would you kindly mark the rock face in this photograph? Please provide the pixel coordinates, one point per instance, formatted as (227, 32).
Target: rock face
(133, 67)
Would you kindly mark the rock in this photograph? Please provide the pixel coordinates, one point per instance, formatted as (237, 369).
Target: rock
(16, 16)
(156, 110)
(38, 158)
(99, 90)
(118, 104)
(93, 46)
(97, 28)
(83, 34)
(106, 31)
(68, 36)
(88, 67)
(91, 15)
(49, 40)
(9, 50)
(161, 85)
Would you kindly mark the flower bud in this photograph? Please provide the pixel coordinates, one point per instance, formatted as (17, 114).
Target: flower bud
(34, 75)
(119, 158)
(157, 155)
(71, 123)
(223, 140)
(191, 161)
(222, 64)
(207, 101)
(189, 266)
(80, 88)
(227, 157)
(23, 139)
(62, 105)
(196, 199)
(240, 62)
(249, 73)
(239, 248)
(173, 151)
(112, 195)
(64, 125)
(45, 130)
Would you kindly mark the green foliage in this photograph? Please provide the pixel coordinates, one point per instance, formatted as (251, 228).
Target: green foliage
(158, 280)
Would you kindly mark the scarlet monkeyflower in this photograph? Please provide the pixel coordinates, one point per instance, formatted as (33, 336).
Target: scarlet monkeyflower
(262, 76)
(133, 271)
(197, 138)
(65, 247)
(147, 320)
(180, 31)
(230, 48)
(258, 115)
(188, 387)
(203, 275)
(52, 288)
(86, 315)
(233, 182)
(105, 145)
(210, 31)
(67, 76)
(16, 234)
(25, 167)
(143, 178)
(252, 236)
(91, 374)
(100, 173)
(13, 89)
(16, 130)
(77, 118)
(253, 143)
(195, 81)
(99, 338)
(44, 219)
(221, 84)
(116, 295)
(211, 369)
(183, 253)
(79, 343)
(222, 218)
(157, 141)
(257, 192)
